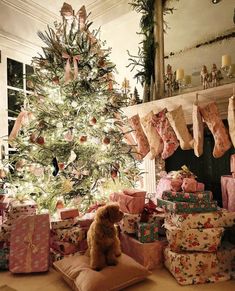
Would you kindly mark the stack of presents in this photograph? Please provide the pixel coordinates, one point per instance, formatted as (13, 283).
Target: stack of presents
(195, 226)
(30, 242)
(141, 232)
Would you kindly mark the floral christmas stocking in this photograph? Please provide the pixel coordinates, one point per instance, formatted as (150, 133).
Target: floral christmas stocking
(177, 121)
(138, 133)
(231, 118)
(166, 132)
(212, 118)
(198, 131)
(154, 139)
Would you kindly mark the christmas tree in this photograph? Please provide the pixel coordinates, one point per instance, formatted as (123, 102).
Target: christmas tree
(67, 136)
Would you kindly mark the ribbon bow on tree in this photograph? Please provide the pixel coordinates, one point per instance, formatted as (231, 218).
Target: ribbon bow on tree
(67, 75)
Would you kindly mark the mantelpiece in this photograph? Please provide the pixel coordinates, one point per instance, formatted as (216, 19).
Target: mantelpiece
(218, 94)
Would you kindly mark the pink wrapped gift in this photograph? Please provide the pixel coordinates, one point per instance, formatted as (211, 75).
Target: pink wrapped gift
(167, 184)
(29, 250)
(59, 223)
(189, 185)
(228, 192)
(65, 248)
(200, 187)
(130, 201)
(232, 163)
(68, 213)
(149, 255)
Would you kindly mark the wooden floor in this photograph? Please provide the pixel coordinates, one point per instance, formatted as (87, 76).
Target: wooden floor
(160, 280)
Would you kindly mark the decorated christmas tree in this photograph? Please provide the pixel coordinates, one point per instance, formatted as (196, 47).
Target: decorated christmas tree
(69, 146)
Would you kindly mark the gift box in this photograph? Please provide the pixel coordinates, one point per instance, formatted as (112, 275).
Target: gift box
(29, 243)
(168, 184)
(4, 258)
(228, 192)
(86, 220)
(147, 232)
(5, 232)
(232, 163)
(149, 255)
(82, 246)
(72, 235)
(18, 208)
(4, 202)
(203, 240)
(68, 213)
(189, 185)
(204, 196)
(200, 187)
(130, 201)
(220, 218)
(128, 223)
(59, 223)
(65, 248)
(197, 266)
(187, 207)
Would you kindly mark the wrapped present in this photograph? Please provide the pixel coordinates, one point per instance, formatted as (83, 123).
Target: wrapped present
(4, 258)
(203, 240)
(59, 223)
(5, 232)
(187, 207)
(149, 255)
(130, 201)
(219, 218)
(189, 185)
(18, 208)
(168, 184)
(197, 265)
(200, 187)
(4, 202)
(29, 250)
(68, 213)
(86, 220)
(65, 248)
(82, 246)
(228, 192)
(147, 232)
(72, 235)
(232, 163)
(187, 197)
(128, 223)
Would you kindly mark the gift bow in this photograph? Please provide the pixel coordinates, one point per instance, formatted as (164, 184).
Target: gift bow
(29, 240)
(149, 208)
(68, 67)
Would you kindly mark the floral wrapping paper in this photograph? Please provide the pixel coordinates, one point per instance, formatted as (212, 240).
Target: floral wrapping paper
(65, 248)
(128, 223)
(72, 235)
(228, 192)
(203, 196)
(147, 232)
(203, 240)
(187, 207)
(150, 255)
(29, 251)
(59, 223)
(196, 267)
(4, 258)
(220, 218)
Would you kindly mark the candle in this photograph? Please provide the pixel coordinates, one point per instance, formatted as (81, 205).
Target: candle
(179, 74)
(226, 61)
(232, 69)
(187, 79)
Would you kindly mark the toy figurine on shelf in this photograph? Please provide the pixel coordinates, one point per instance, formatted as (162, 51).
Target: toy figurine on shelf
(215, 76)
(169, 79)
(204, 77)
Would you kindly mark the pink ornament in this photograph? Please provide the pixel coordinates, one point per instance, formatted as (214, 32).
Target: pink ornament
(69, 135)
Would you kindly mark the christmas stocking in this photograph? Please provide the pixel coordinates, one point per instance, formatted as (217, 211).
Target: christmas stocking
(198, 131)
(231, 118)
(154, 139)
(212, 118)
(166, 132)
(177, 121)
(141, 139)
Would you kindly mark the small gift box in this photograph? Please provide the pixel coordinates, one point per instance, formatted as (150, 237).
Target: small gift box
(187, 207)
(129, 221)
(4, 258)
(59, 223)
(232, 163)
(187, 197)
(68, 213)
(18, 208)
(147, 232)
(200, 187)
(29, 251)
(203, 240)
(219, 218)
(65, 248)
(149, 255)
(72, 235)
(86, 220)
(189, 185)
(130, 200)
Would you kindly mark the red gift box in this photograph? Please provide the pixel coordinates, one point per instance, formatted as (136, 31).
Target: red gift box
(29, 251)
(130, 201)
(68, 213)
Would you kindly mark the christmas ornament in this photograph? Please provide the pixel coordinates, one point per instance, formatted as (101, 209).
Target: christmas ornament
(30, 84)
(59, 204)
(68, 136)
(56, 167)
(61, 166)
(19, 165)
(106, 140)
(40, 140)
(93, 121)
(2, 174)
(56, 80)
(83, 138)
(32, 138)
(114, 173)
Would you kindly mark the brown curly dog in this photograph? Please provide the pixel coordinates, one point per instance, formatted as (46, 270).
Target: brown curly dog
(102, 237)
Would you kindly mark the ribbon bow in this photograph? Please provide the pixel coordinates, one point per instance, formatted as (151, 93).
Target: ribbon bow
(149, 208)
(67, 75)
(29, 240)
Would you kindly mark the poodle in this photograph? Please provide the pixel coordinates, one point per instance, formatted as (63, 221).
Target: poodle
(102, 237)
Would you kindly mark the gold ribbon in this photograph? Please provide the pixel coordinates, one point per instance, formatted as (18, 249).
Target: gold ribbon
(31, 247)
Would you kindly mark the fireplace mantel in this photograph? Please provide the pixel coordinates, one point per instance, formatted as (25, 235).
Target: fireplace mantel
(218, 94)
